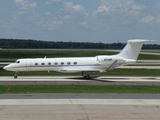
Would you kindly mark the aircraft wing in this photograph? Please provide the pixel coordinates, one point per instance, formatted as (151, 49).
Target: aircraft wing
(80, 69)
(86, 68)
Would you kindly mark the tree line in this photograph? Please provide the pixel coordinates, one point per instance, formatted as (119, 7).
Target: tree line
(38, 44)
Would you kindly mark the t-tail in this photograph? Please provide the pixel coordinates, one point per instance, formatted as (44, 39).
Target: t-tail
(131, 51)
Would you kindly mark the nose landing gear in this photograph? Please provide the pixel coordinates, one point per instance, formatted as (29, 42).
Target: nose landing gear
(16, 75)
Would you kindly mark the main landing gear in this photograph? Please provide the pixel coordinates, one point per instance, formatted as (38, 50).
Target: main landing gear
(85, 75)
(16, 75)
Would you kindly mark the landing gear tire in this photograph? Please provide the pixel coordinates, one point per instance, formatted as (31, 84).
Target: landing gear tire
(87, 77)
(15, 76)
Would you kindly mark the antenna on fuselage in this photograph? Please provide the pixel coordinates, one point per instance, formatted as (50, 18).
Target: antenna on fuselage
(45, 57)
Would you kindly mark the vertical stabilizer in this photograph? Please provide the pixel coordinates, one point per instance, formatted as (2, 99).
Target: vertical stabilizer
(132, 49)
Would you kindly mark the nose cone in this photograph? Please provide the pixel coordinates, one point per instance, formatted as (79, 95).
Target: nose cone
(8, 67)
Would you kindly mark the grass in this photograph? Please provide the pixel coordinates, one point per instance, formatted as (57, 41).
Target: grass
(148, 57)
(51, 53)
(16, 54)
(151, 51)
(119, 89)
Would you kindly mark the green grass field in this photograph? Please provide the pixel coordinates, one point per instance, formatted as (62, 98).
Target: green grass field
(16, 54)
(151, 51)
(120, 89)
(50, 53)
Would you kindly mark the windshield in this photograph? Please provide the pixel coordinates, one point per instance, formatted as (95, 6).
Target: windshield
(17, 61)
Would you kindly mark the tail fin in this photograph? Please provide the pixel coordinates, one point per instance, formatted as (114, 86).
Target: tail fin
(132, 49)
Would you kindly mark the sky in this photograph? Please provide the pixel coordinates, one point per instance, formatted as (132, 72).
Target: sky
(105, 21)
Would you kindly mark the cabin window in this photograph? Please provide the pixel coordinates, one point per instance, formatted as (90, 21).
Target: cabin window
(42, 64)
(56, 63)
(49, 63)
(36, 63)
(62, 63)
(68, 63)
(75, 63)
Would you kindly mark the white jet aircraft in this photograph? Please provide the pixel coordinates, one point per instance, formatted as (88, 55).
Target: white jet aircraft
(99, 63)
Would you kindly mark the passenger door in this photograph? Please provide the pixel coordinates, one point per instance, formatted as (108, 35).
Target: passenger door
(28, 64)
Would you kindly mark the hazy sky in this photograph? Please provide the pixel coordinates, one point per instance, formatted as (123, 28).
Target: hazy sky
(104, 21)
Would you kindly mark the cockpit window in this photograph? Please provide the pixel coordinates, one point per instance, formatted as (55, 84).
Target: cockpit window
(17, 62)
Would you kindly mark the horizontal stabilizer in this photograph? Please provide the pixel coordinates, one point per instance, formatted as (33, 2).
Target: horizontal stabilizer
(140, 41)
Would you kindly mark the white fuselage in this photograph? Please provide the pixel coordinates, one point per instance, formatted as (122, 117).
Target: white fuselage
(74, 64)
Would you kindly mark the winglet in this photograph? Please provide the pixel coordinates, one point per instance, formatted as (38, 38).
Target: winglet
(113, 65)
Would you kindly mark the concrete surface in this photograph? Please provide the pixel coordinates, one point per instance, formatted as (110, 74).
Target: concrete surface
(78, 80)
(80, 109)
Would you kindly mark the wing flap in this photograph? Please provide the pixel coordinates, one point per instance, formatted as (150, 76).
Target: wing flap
(79, 70)
(88, 69)
(113, 65)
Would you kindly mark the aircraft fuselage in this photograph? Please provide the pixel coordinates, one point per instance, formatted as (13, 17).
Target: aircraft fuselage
(74, 64)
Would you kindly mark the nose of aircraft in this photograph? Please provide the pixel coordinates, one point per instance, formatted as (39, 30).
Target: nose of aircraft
(7, 67)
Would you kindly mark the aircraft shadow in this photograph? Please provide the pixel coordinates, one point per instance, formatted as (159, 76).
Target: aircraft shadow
(82, 78)
(93, 78)
(116, 78)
